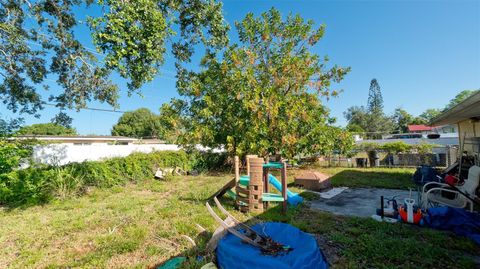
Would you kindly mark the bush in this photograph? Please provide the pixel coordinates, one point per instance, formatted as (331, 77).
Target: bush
(39, 185)
(28, 186)
(13, 153)
(396, 147)
(208, 161)
(368, 146)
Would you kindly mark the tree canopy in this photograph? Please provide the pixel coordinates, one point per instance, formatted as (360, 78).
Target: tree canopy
(375, 99)
(143, 123)
(371, 120)
(9, 127)
(262, 94)
(429, 114)
(171, 121)
(38, 42)
(357, 118)
(62, 119)
(140, 123)
(459, 98)
(46, 129)
(401, 119)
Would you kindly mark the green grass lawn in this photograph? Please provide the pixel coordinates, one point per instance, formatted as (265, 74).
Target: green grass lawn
(393, 178)
(141, 225)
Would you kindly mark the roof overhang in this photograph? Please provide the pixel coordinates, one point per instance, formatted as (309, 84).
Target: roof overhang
(468, 109)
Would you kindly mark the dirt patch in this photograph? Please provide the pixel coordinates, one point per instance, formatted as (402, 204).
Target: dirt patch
(331, 250)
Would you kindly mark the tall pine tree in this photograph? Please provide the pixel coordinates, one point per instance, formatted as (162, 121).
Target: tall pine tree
(375, 99)
(371, 120)
(377, 120)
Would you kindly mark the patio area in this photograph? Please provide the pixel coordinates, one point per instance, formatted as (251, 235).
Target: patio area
(359, 202)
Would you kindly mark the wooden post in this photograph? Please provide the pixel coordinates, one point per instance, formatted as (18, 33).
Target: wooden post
(255, 186)
(248, 162)
(265, 179)
(237, 169)
(284, 186)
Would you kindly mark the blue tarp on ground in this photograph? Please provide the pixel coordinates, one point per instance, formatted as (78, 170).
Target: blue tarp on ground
(457, 220)
(234, 254)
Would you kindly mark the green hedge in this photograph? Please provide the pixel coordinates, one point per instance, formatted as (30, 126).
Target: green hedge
(208, 161)
(39, 185)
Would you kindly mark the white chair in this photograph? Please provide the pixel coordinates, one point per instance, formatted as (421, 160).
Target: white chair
(433, 196)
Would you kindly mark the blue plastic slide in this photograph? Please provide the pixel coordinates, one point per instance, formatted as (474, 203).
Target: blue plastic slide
(293, 198)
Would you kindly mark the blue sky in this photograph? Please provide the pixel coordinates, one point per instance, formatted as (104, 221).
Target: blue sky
(422, 53)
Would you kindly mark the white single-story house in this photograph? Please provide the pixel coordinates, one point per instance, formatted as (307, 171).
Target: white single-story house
(60, 150)
(81, 140)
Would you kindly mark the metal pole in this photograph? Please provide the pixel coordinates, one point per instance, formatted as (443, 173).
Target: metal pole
(284, 186)
(461, 156)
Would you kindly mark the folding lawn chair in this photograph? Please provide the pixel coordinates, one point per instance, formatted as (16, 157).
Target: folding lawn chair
(433, 193)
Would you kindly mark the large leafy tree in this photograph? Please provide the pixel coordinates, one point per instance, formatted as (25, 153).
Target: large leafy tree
(401, 119)
(140, 123)
(38, 43)
(171, 121)
(430, 114)
(143, 123)
(357, 118)
(459, 98)
(46, 129)
(262, 95)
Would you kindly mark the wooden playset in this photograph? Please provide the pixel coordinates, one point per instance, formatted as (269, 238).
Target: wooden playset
(252, 191)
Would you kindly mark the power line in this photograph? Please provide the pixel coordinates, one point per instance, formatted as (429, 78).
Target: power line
(92, 108)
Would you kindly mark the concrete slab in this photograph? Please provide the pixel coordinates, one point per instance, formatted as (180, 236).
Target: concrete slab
(360, 202)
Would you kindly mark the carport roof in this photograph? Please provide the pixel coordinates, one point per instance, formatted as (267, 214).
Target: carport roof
(467, 109)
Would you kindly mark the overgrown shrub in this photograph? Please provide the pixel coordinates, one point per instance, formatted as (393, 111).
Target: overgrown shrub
(64, 182)
(396, 147)
(27, 186)
(41, 184)
(208, 161)
(13, 153)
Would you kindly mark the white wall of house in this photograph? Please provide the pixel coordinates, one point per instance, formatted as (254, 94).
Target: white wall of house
(60, 154)
(64, 153)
